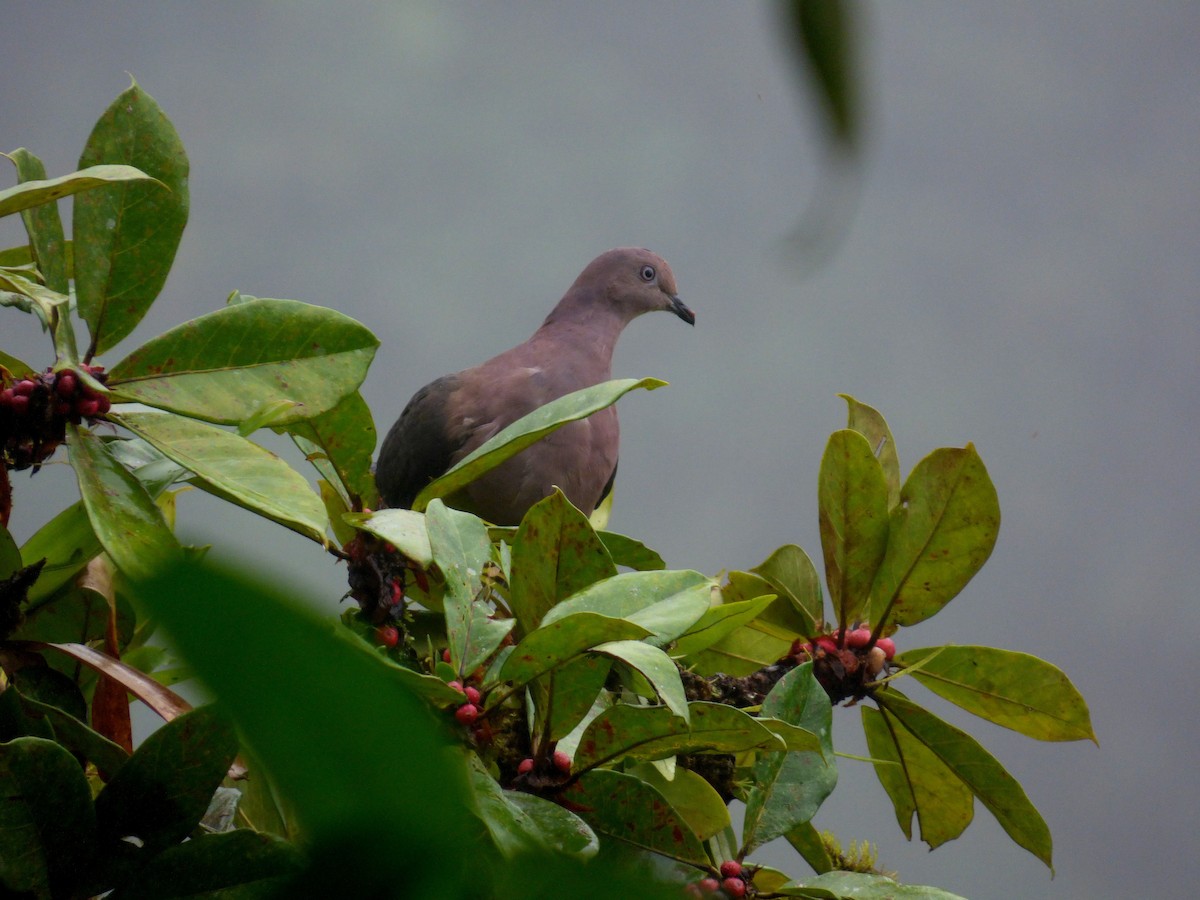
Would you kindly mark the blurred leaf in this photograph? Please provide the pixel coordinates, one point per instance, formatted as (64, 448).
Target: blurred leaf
(823, 32)
(236, 865)
(1015, 690)
(652, 664)
(528, 429)
(718, 622)
(868, 422)
(15, 366)
(852, 497)
(234, 469)
(339, 443)
(34, 192)
(553, 645)
(554, 554)
(792, 574)
(862, 886)
(789, 787)
(977, 769)
(224, 366)
(942, 532)
(125, 519)
(402, 528)
(633, 812)
(361, 759)
(126, 234)
(42, 222)
(164, 789)
(10, 555)
(47, 823)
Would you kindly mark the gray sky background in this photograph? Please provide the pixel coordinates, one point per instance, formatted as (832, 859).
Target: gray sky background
(1022, 272)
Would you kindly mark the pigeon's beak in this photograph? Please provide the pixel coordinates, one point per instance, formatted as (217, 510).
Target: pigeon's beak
(680, 309)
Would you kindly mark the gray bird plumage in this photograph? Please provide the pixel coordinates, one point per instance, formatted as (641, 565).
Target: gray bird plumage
(450, 417)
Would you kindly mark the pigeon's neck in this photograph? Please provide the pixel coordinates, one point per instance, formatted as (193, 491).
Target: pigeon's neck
(584, 327)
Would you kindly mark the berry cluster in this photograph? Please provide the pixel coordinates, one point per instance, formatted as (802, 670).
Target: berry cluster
(35, 410)
(559, 760)
(845, 662)
(733, 883)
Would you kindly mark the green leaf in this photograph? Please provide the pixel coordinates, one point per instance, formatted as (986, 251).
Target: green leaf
(789, 787)
(718, 622)
(47, 823)
(10, 555)
(43, 224)
(654, 665)
(49, 306)
(234, 469)
(555, 553)
(691, 797)
(528, 429)
(863, 886)
(762, 641)
(15, 366)
(402, 528)
(1014, 690)
(806, 840)
(633, 812)
(977, 769)
(633, 554)
(868, 422)
(853, 519)
(35, 192)
(916, 781)
(792, 574)
(357, 755)
(942, 532)
(128, 524)
(825, 38)
(559, 642)
(236, 865)
(75, 736)
(164, 789)
(667, 603)
(339, 443)
(224, 366)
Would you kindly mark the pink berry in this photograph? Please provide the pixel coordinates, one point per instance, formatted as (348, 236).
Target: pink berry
(23, 388)
(65, 384)
(562, 762)
(88, 407)
(467, 713)
(457, 685)
(731, 868)
(734, 887)
(525, 767)
(387, 635)
(105, 404)
(472, 694)
(446, 655)
(19, 404)
(888, 646)
(858, 638)
(6, 397)
(709, 885)
(827, 643)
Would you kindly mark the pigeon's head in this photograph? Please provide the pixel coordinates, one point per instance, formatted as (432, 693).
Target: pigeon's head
(635, 281)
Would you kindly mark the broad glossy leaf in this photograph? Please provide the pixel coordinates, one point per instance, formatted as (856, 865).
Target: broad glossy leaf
(559, 642)
(942, 532)
(126, 234)
(567, 694)
(978, 770)
(633, 812)
(339, 443)
(853, 518)
(554, 554)
(43, 223)
(868, 422)
(333, 731)
(630, 553)
(806, 840)
(718, 622)
(234, 469)
(224, 366)
(15, 366)
(47, 823)
(652, 664)
(523, 432)
(691, 797)
(792, 574)
(1015, 690)
(126, 521)
(77, 737)
(917, 781)
(402, 528)
(637, 596)
(35, 192)
(762, 641)
(864, 886)
(789, 787)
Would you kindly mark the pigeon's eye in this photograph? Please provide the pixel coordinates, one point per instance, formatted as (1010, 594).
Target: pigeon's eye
(648, 273)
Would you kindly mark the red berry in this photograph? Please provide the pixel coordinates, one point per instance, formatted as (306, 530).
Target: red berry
(387, 635)
(397, 593)
(525, 767)
(858, 638)
(562, 762)
(105, 404)
(62, 408)
(734, 887)
(731, 868)
(472, 694)
(87, 407)
(888, 646)
(457, 685)
(827, 643)
(467, 713)
(446, 655)
(19, 404)
(709, 885)
(65, 384)
(23, 388)
(6, 396)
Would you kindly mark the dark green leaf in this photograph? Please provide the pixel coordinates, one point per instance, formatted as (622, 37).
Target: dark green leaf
(10, 555)
(126, 234)
(868, 422)
(863, 886)
(78, 738)
(806, 840)
(43, 223)
(1015, 690)
(633, 554)
(792, 574)
(339, 443)
(565, 695)
(852, 497)
(653, 665)
(224, 366)
(553, 645)
(523, 432)
(35, 192)
(718, 622)
(824, 35)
